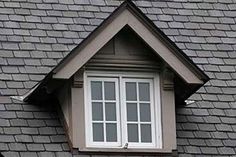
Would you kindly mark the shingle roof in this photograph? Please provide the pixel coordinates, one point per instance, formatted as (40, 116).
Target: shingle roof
(36, 34)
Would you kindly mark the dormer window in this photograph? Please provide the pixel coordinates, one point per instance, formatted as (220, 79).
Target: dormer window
(118, 88)
(123, 110)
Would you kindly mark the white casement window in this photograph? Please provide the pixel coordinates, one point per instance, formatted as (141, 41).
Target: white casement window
(122, 111)
(103, 109)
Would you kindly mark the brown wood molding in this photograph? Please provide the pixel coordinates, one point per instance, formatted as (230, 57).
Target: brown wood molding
(78, 84)
(78, 81)
(173, 153)
(168, 76)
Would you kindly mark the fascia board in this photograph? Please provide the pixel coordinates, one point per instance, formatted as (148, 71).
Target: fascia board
(92, 47)
(127, 18)
(163, 51)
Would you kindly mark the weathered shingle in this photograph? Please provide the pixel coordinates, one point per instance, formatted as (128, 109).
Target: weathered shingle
(35, 34)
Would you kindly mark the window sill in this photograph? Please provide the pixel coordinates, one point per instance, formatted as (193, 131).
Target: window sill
(130, 151)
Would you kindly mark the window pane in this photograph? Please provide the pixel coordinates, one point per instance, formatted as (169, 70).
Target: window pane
(145, 115)
(146, 135)
(97, 112)
(109, 90)
(110, 109)
(96, 89)
(132, 132)
(131, 91)
(132, 114)
(144, 92)
(98, 134)
(111, 132)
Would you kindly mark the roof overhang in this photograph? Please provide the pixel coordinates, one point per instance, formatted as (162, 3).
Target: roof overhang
(127, 15)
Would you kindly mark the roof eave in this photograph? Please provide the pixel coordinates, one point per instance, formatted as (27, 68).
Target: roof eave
(137, 12)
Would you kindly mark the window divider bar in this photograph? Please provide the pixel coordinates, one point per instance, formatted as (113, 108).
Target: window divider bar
(138, 108)
(104, 112)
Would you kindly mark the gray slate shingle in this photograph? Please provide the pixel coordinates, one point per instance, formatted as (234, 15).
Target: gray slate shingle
(35, 34)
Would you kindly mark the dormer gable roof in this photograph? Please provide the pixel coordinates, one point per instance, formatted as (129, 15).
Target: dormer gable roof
(127, 14)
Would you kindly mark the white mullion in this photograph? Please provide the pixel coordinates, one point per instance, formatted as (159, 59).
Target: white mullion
(96, 101)
(97, 121)
(117, 103)
(138, 107)
(151, 103)
(153, 106)
(90, 121)
(110, 101)
(145, 122)
(123, 110)
(132, 122)
(104, 112)
(113, 122)
(144, 102)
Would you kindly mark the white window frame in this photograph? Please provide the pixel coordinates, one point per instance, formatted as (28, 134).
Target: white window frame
(122, 133)
(89, 112)
(124, 110)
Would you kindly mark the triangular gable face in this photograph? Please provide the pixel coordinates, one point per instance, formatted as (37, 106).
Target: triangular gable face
(125, 52)
(128, 15)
